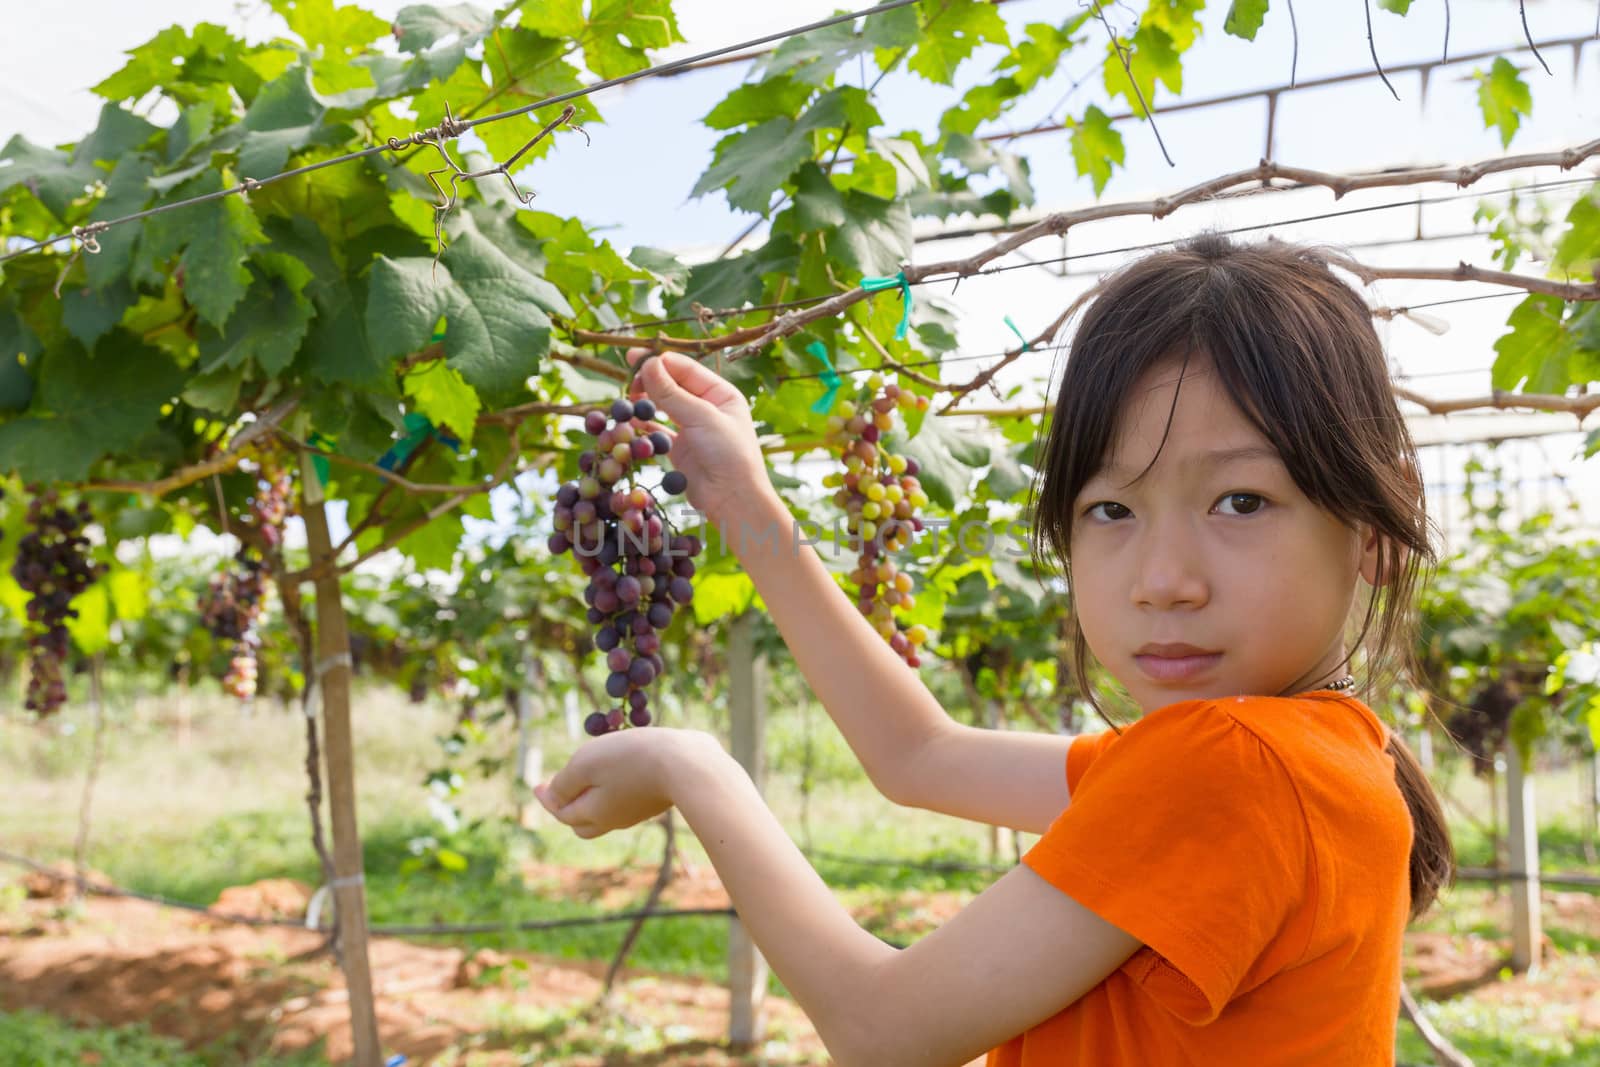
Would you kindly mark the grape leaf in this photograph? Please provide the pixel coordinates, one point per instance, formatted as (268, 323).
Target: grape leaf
(268, 324)
(553, 18)
(191, 66)
(19, 348)
(755, 102)
(48, 173)
(420, 26)
(89, 314)
(215, 238)
(1096, 147)
(1503, 97)
(1578, 251)
(621, 30)
(753, 165)
(439, 392)
(1398, 7)
(130, 593)
(1245, 18)
(341, 29)
(496, 332)
(1537, 354)
(87, 407)
(1153, 57)
(951, 34)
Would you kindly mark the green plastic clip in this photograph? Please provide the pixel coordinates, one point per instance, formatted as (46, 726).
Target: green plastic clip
(830, 378)
(1026, 347)
(873, 285)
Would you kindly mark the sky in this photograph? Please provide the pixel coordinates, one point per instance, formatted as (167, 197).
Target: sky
(636, 176)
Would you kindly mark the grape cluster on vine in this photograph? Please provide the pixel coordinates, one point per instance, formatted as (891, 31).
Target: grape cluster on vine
(880, 495)
(638, 569)
(235, 600)
(230, 611)
(53, 567)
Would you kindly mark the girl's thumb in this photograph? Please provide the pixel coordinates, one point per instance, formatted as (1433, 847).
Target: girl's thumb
(667, 391)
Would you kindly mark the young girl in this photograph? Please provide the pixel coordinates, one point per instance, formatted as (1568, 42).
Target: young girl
(1231, 494)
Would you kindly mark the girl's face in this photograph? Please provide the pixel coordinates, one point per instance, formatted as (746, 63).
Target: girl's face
(1214, 548)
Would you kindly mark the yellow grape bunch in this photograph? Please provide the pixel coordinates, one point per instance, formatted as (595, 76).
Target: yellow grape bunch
(880, 496)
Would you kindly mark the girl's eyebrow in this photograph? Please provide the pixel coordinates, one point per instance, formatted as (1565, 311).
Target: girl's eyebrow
(1214, 458)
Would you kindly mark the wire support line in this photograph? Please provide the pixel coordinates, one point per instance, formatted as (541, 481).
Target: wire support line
(449, 129)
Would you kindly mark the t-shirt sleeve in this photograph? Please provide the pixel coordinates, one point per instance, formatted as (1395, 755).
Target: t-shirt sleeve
(1084, 750)
(1188, 834)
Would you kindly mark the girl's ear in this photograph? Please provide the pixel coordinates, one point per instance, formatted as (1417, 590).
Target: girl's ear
(1371, 554)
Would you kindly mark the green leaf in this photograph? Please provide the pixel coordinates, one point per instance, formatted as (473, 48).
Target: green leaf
(450, 859)
(1398, 7)
(1096, 147)
(527, 67)
(1153, 58)
(1535, 355)
(117, 133)
(723, 596)
(813, 58)
(439, 392)
(87, 407)
(875, 237)
(950, 34)
(755, 102)
(48, 173)
(268, 325)
(421, 26)
(553, 18)
(496, 332)
(1503, 97)
(19, 349)
(621, 31)
(215, 237)
(341, 29)
(753, 165)
(1579, 248)
(89, 315)
(1245, 17)
(91, 629)
(285, 117)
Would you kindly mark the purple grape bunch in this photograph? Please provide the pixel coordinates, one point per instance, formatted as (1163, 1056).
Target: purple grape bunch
(230, 609)
(639, 569)
(53, 567)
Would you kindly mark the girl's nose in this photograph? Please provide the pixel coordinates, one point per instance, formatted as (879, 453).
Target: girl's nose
(1169, 568)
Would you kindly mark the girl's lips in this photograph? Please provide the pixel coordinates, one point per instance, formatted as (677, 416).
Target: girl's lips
(1177, 668)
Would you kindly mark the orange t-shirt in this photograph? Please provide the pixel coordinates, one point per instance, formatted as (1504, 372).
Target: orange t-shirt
(1259, 848)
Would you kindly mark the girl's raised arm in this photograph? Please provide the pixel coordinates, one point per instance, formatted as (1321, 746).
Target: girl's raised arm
(911, 749)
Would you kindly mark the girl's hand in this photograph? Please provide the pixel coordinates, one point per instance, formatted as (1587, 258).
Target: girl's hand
(714, 444)
(621, 779)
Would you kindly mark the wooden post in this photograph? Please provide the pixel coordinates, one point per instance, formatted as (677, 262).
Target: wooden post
(332, 676)
(530, 751)
(1523, 837)
(747, 969)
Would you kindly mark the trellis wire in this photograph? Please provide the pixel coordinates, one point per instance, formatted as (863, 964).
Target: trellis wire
(448, 130)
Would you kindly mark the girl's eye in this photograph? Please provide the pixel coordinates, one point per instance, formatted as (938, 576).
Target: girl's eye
(1243, 503)
(1113, 510)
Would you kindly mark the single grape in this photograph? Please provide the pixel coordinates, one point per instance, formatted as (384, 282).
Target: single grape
(660, 442)
(622, 409)
(644, 409)
(674, 482)
(617, 684)
(596, 724)
(639, 716)
(641, 672)
(594, 422)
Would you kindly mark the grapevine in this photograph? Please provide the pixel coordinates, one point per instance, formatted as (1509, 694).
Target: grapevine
(53, 567)
(638, 569)
(880, 495)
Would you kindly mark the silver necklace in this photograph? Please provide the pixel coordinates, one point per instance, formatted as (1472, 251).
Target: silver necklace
(1347, 682)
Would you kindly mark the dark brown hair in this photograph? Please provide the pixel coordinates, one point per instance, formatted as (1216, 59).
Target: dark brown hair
(1295, 349)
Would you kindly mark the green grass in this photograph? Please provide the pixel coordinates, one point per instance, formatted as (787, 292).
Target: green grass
(34, 1039)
